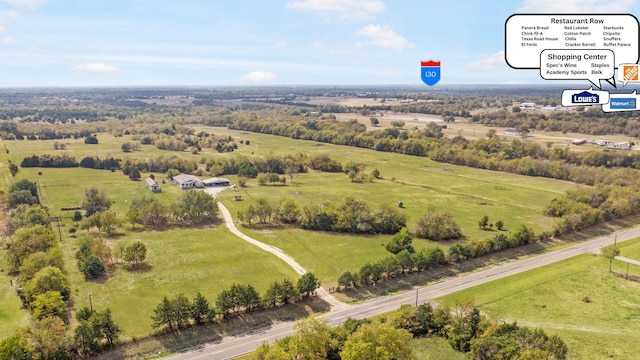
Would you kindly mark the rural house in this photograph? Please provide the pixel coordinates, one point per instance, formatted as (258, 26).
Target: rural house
(152, 185)
(186, 181)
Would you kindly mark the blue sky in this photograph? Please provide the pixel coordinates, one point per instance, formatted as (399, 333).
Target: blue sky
(260, 42)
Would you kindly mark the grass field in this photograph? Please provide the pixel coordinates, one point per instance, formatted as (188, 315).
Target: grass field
(434, 348)
(552, 297)
(206, 260)
(419, 183)
(12, 315)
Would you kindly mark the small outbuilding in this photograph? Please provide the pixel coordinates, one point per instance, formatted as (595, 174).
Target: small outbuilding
(216, 182)
(152, 185)
(186, 181)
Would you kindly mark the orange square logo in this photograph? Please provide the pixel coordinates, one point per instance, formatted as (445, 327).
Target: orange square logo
(630, 73)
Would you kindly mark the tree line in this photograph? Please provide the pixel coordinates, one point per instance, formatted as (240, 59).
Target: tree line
(177, 312)
(406, 260)
(34, 254)
(352, 216)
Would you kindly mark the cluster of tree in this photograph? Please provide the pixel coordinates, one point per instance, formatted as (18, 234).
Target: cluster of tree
(356, 173)
(323, 162)
(95, 162)
(438, 225)
(352, 216)
(393, 266)
(91, 140)
(35, 255)
(591, 121)
(49, 161)
(250, 167)
(406, 259)
(96, 331)
(44, 131)
(130, 146)
(22, 192)
(580, 208)
(193, 207)
(468, 331)
(464, 327)
(271, 178)
(162, 164)
(170, 143)
(93, 256)
(178, 312)
(476, 248)
(355, 340)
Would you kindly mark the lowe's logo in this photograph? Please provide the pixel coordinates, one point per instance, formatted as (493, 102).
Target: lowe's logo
(585, 97)
(622, 103)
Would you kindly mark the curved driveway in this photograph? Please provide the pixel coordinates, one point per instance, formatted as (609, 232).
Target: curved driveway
(322, 293)
(232, 347)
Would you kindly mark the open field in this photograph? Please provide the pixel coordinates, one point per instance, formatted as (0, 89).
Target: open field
(206, 260)
(419, 183)
(552, 298)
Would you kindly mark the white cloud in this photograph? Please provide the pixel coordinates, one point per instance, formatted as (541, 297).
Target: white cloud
(257, 77)
(319, 45)
(97, 68)
(383, 37)
(489, 62)
(6, 40)
(355, 10)
(282, 44)
(9, 14)
(26, 4)
(583, 6)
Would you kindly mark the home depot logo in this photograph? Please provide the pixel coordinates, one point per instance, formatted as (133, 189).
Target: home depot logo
(630, 73)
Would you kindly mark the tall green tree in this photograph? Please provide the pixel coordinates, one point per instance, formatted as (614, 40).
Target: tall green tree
(195, 207)
(48, 279)
(400, 241)
(200, 309)
(288, 292)
(181, 308)
(50, 303)
(378, 341)
(94, 201)
(135, 253)
(163, 315)
(307, 284)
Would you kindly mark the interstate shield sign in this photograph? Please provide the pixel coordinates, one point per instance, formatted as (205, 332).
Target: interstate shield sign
(430, 72)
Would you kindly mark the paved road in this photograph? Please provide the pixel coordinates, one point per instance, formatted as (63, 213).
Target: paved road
(232, 347)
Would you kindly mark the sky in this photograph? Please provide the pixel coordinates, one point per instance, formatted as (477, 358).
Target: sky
(88, 43)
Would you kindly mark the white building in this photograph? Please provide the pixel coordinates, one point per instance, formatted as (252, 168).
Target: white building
(186, 181)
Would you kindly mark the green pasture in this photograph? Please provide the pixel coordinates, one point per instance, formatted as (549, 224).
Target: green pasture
(419, 183)
(554, 298)
(206, 260)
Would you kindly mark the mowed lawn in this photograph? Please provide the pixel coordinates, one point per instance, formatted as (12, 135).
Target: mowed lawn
(553, 298)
